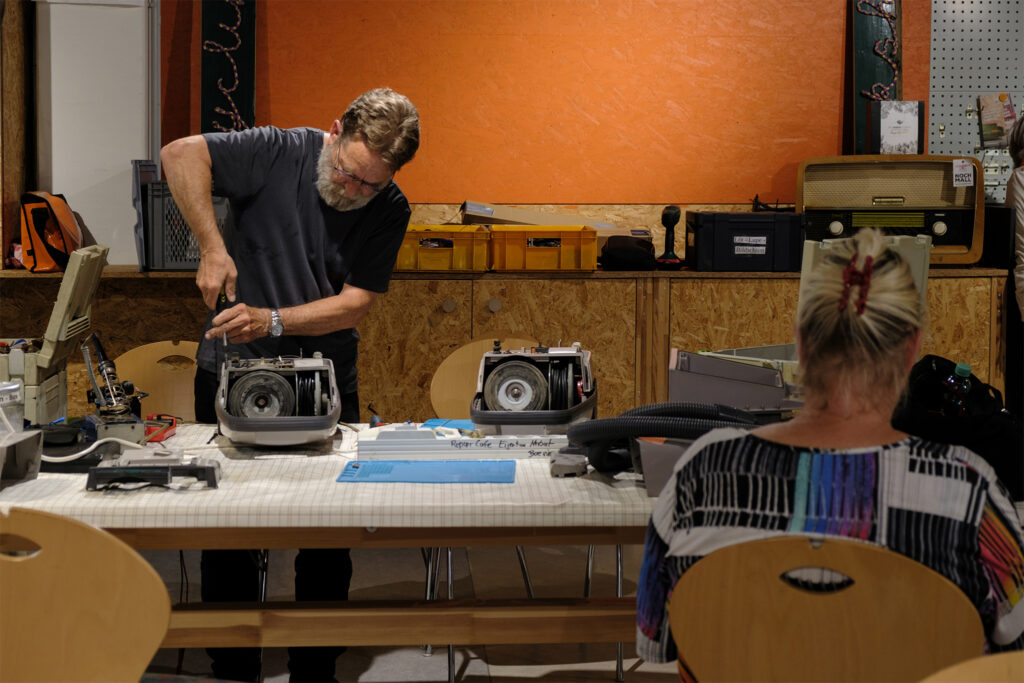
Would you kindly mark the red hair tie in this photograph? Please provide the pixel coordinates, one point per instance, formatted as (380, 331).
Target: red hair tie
(854, 276)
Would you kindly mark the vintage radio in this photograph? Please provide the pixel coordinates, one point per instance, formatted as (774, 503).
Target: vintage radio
(901, 194)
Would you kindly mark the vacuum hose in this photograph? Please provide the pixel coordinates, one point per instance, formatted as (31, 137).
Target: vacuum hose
(608, 441)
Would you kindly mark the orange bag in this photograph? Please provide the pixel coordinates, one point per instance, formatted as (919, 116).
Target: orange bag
(49, 232)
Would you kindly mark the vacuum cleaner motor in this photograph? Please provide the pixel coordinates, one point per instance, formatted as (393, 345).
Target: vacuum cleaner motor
(277, 401)
(533, 390)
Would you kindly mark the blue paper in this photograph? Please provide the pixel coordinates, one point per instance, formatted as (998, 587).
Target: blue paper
(431, 471)
(465, 425)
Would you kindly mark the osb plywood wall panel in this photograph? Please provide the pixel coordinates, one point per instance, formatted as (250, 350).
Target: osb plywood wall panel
(565, 101)
(713, 315)
(404, 338)
(959, 324)
(13, 113)
(721, 314)
(600, 314)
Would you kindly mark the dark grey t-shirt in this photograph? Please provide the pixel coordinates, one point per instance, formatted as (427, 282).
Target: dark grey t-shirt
(290, 247)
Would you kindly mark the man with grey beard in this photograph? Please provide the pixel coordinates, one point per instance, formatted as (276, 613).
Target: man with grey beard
(317, 224)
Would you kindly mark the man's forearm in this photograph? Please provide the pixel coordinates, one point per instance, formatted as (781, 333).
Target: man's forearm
(243, 323)
(186, 166)
(339, 312)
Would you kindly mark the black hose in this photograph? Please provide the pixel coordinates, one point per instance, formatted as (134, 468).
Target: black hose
(707, 411)
(626, 426)
(609, 442)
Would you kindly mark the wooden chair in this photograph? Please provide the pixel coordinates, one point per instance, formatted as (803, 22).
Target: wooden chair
(454, 382)
(1002, 667)
(451, 392)
(76, 603)
(164, 370)
(738, 615)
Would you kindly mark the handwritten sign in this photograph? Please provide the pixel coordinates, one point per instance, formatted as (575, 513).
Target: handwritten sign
(528, 446)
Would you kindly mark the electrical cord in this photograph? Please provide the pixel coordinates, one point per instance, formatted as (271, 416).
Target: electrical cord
(81, 454)
(131, 444)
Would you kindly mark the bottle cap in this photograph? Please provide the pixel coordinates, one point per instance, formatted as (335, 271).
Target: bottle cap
(963, 370)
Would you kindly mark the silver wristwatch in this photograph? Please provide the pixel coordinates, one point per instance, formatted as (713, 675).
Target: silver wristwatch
(276, 328)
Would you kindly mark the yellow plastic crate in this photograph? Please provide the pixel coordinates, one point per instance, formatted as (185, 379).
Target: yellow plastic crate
(543, 247)
(444, 247)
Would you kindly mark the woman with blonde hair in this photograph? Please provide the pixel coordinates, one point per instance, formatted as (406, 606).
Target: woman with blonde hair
(839, 467)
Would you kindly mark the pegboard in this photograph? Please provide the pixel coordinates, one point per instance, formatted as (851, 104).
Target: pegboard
(977, 47)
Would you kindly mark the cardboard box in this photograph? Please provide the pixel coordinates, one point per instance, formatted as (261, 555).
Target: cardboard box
(658, 457)
(479, 213)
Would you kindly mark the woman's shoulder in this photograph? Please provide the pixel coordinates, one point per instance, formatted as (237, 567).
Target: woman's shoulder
(721, 437)
(922, 447)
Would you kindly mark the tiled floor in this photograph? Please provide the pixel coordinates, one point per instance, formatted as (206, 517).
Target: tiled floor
(479, 572)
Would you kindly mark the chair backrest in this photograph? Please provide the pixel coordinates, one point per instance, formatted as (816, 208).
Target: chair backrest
(166, 371)
(737, 614)
(454, 382)
(1001, 667)
(76, 603)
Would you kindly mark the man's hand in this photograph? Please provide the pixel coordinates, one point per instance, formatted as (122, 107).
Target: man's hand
(241, 324)
(216, 271)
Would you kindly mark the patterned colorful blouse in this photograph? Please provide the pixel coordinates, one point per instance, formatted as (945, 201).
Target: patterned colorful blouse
(940, 505)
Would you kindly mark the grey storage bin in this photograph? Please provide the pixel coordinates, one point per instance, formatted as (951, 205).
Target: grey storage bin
(163, 240)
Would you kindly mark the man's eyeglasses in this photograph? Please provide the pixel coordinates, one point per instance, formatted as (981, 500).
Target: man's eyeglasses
(367, 188)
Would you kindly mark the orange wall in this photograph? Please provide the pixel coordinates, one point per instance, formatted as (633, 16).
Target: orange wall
(565, 101)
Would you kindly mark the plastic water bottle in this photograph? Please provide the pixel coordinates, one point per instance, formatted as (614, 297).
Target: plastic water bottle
(957, 386)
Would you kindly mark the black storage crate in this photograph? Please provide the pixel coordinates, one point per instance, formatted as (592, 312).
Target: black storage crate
(163, 240)
(170, 245)
(754, 242)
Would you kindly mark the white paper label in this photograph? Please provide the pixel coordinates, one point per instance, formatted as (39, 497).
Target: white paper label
(757, 251)
(897, 128)
(750, 239)
(963, 173)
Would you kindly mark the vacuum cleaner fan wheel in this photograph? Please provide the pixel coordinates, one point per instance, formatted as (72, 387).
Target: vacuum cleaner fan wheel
(515, 385)
(261, 394)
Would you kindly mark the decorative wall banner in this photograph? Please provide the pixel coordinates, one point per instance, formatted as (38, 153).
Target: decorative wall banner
(877, 57)
(228, 65)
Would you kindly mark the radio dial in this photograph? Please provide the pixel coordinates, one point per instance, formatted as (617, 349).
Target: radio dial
(939, 228)
(835, 227)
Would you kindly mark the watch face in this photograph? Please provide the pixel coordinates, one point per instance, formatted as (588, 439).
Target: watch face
(276, 328)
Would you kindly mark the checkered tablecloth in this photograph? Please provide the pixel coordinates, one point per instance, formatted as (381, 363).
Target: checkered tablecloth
(264, 488)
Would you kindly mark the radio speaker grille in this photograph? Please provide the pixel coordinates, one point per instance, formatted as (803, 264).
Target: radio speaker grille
(861, 185)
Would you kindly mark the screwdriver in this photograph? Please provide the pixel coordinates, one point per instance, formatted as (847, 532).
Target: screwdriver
(222, 303)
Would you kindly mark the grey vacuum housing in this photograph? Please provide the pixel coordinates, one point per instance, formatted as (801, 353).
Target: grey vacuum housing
(537, 390)
(277, 401)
